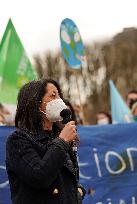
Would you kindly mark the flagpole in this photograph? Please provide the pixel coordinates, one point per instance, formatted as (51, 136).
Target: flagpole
(79, 96)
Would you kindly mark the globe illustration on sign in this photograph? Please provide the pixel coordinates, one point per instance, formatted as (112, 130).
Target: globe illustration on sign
(72, 45)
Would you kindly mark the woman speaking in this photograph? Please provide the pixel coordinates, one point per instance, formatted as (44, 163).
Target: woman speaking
(39, 158)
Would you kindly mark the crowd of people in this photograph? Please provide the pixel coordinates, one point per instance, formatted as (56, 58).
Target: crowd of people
(105, 118)
(101, 118)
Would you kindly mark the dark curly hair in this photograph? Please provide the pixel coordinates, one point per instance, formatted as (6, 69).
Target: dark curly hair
(30, 96)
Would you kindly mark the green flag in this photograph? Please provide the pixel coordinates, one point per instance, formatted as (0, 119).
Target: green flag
(15, 67)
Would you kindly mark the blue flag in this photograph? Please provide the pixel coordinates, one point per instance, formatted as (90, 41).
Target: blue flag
(120, 111)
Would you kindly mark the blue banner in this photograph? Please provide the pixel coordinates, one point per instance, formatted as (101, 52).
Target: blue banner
(108, 163)
(4, 184)
(107, 160)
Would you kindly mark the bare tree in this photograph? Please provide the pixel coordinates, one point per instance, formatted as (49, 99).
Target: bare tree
(115, 59)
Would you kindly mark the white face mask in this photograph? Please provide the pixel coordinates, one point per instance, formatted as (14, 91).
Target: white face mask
(103, 121)
(53, 110)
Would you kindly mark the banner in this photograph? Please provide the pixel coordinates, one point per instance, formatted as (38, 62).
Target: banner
(4, 184)
(107, 161)
(15, 67)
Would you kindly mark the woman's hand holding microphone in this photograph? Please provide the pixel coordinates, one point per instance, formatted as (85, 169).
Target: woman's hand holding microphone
(69, 132)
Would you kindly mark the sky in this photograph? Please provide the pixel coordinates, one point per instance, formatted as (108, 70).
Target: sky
(37, 22)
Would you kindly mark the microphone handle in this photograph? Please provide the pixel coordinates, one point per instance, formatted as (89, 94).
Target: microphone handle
(75, 151)
(74, 144)
(74, 148)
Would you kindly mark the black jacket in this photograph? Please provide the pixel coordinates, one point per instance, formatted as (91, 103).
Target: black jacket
(40, 169)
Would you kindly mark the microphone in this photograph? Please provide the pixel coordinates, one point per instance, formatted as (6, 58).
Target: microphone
(67, 117)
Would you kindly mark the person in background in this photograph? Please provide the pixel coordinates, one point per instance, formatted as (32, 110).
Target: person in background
(103, 118)
(2, 120)
(3, 109)
(134, 110)
(9, 119)
(78, 114)
(131, 97)
(40, 161)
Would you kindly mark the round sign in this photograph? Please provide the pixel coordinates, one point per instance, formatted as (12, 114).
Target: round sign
(71, 44)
